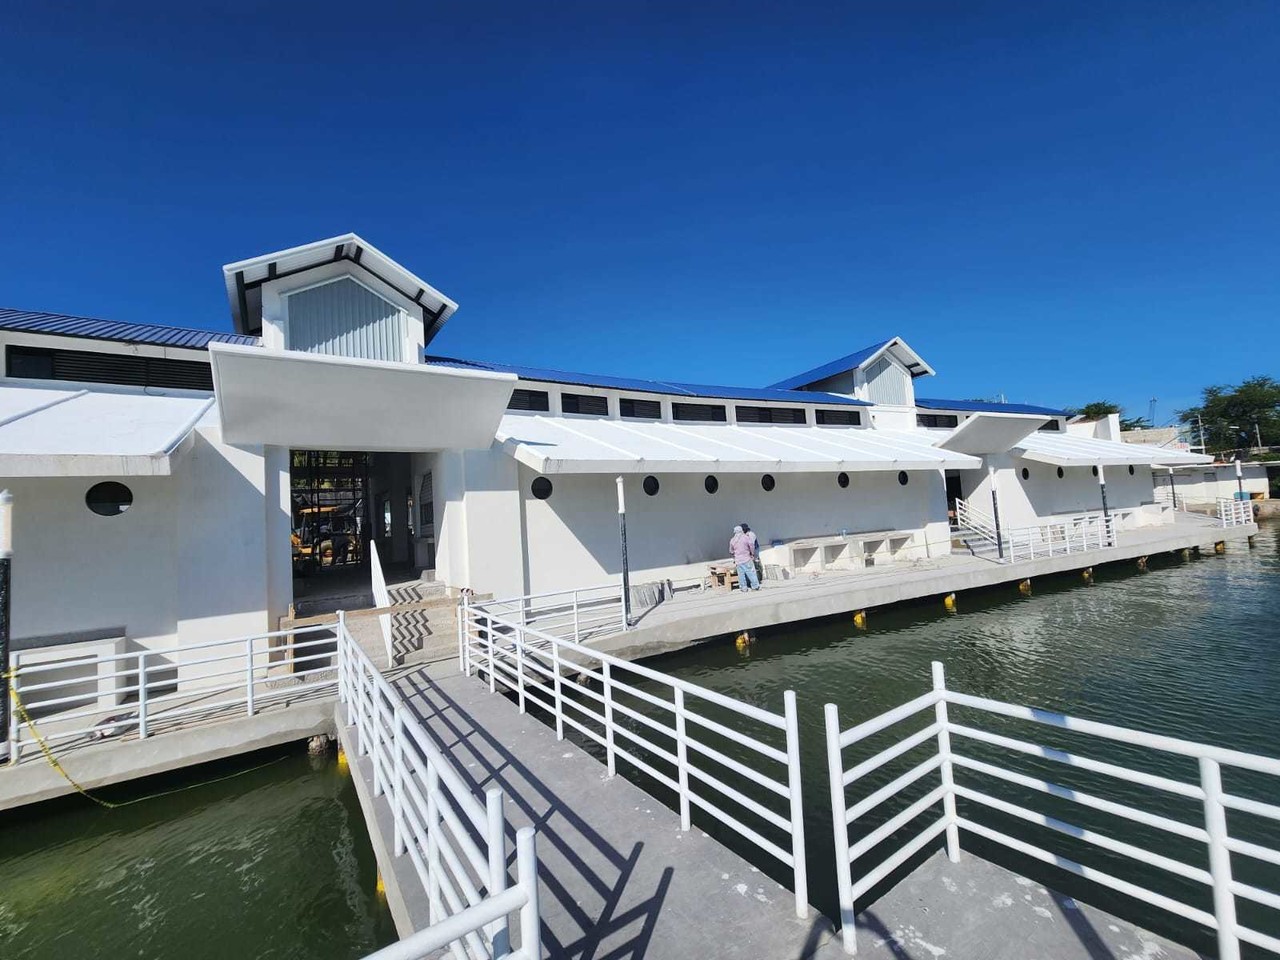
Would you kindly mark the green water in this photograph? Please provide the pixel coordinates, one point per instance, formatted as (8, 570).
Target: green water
(1191, 648)
(269, 862)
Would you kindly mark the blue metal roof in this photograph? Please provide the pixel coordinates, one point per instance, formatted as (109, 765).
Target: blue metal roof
(844, 364)
(34, 321)
(690, 390)
(983, 406)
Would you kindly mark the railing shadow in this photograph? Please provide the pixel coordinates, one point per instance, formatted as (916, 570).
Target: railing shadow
(571, 852)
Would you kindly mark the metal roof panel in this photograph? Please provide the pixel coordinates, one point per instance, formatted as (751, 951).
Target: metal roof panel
(34, 321)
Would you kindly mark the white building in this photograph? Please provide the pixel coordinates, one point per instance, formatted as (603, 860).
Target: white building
(156, 470)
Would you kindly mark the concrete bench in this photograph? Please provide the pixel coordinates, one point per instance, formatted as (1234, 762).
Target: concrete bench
(849, 551)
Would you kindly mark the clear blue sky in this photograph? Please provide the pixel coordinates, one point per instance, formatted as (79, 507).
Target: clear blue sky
(1059, 203)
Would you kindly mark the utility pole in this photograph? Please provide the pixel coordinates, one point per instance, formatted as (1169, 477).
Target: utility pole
(626, 574)
(1257, 433)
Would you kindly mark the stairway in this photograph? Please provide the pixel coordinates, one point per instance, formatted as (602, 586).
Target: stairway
(975, 544)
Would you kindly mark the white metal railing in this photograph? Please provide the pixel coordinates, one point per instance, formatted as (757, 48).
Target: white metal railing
(457, 844)
(940, 737)
(1088, 531)
(1234, 513)
(147, 692)
(577, 614)
(1062, 535)
(624, 719)
(381, 598)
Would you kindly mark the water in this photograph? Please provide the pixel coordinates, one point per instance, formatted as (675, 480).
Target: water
(1189, 649)
(273, 861)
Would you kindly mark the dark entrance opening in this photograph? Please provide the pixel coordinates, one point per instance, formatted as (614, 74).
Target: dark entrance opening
(330, 523)
(954, 492)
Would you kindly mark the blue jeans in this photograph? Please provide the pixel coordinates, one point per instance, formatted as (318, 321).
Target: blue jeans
(747, 579)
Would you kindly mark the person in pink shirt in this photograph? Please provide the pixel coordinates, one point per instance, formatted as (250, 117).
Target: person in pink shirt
(742, 548)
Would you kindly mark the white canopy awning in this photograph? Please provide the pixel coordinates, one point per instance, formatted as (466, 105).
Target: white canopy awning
(991, 432)
(313, 401)
(559, 445)
(67, 432)
(1066, 450)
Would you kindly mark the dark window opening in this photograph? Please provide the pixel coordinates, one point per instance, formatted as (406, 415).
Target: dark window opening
(1061, 473)
(541, 488)
(1026, 474)
(842, 479)
(937, 420)
(1131, 470)
(767, 482)
(1095, 470)
(109, 498)
(902, 477)
(771, 415)
(839, 418)
(700, 412)
(651, 485)
(584, 403)
(127, 369)
(710, 484)
(529, 400)
(639, 409)
(1053, 425)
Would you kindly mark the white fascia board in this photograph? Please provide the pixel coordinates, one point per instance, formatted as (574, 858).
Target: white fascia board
(85, 465)
(991, 432)
(316, 401)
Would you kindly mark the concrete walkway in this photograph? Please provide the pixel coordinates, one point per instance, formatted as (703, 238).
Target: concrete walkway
(695, 616)
(619, 879)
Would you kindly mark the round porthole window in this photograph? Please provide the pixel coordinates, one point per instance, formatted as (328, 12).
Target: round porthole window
(842, 479)
(109, 498)
(541, 488)
(1131, 470)
(651, 485)
(902, 477)
(767, 482)
(1095, 471)
(711, 484)
(1026, 474)
(1061, 473)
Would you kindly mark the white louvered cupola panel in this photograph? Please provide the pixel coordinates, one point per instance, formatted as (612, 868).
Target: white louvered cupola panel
(345, 318)
(888, 383)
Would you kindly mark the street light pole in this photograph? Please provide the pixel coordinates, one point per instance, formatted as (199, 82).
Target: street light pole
(1173, 489)
(626, 573)
(1257, 434)
(1106, 514)
(1239, 480)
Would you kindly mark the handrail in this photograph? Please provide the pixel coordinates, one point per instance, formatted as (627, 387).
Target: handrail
(1207, 790)
(461, 861)
(1234, 512)
(537, 667)
(115, 695)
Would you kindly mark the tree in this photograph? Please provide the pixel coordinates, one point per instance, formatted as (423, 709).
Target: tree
(1104, 408)
(1229, 414)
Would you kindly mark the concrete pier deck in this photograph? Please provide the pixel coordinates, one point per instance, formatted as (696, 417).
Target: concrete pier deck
(695, 616)
(619, 879)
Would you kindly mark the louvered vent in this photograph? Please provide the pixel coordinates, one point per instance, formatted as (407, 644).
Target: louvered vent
(639, 409)
(529, 400)
(699, 412)
(584, 403)
(839, 418)
(86, 366)
(771, 415)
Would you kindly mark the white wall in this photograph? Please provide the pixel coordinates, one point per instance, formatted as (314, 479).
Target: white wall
(1043, 494)
(478, 522)
(572, 538)
(187, 562)
(1206, 484)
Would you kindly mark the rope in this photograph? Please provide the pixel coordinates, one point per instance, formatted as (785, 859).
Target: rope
(108, 804)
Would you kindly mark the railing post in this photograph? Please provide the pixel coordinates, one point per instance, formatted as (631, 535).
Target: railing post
(462, 637)
(840, 828)
(496, 843)
(376, 737)
(142, 695)
(527, 878)
(558, 686)
(520, 666)
(948, 774)
(577, 633)
(434, 913)
(1215, 822)
(248, 675)
(14, 726)
(397, 781)
(682, 761)
(608, 717)
(800, 868)
(488, 632)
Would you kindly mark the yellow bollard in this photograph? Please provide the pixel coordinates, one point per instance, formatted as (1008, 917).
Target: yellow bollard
(860, 619)
(1220, 547)
(342, 761)
(380, 887)
(1142, 564)
(949, 601)
(1087, 574)
(1024, 588)
(1186, 553)
(743, 642)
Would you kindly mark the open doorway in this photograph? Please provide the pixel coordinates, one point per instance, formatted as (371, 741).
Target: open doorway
(954, 492)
